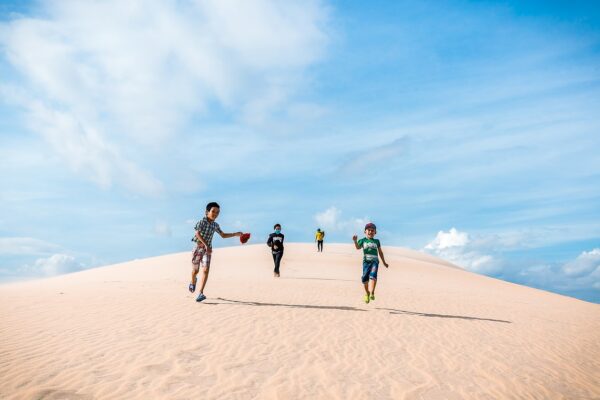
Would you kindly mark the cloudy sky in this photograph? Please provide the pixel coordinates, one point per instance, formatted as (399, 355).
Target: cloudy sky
(465, 129)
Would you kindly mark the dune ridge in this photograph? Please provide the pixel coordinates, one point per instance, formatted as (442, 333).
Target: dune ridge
(132, 330)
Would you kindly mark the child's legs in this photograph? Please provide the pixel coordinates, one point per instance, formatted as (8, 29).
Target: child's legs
(205, 264)
(365, 275)
(366, 285)
(198, 257)
(195, 270)
(277, 259)
(204, 277)
(374, 266)
(372, 284)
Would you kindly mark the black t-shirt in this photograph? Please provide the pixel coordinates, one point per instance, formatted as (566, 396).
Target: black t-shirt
(276, 242)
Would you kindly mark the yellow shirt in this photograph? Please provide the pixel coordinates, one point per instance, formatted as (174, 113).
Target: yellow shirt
(320, 235)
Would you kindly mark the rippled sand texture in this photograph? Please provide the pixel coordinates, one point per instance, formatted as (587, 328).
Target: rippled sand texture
(133, 331)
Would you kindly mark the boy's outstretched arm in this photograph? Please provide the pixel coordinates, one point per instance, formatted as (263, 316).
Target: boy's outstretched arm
(382, 257)
(355, 242)
(229, 235)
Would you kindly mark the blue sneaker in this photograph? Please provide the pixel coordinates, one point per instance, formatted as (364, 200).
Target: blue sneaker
(200, 297)
(192, 287)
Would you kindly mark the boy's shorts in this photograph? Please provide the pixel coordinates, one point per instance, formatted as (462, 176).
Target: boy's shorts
(201, 256)
(370, 270)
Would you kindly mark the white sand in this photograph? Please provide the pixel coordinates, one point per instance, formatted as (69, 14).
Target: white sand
(133, 331)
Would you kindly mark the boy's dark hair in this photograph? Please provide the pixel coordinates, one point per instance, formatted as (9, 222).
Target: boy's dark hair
(211, 205)
(276, 225)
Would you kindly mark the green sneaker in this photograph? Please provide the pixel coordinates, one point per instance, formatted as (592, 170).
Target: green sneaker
(367, 298)
(372, 297)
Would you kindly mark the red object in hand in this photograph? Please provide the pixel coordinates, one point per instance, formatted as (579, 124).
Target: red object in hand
(245, 237)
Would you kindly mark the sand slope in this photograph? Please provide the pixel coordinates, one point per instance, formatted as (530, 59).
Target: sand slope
(133, 331)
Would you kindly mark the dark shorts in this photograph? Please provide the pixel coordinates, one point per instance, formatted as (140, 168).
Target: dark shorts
(370, 270)
(201, 257)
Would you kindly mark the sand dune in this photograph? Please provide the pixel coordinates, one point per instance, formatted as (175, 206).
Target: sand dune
(133, 331)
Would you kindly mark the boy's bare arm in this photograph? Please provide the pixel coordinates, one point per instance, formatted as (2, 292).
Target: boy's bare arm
(382, 257)
(229, 235)
(355, 242)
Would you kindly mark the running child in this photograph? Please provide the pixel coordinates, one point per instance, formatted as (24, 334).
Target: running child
(201, 256)
(371, 248)
(275, 242)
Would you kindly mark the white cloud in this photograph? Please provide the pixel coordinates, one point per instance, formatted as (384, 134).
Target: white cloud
(102, 79)
(331, 219)
(328, 219)
(54, 265)
(458, 248)
(452, 238)
(585, 264)
(582, 273)
(480, 254)
(25, 246)
(85, 150)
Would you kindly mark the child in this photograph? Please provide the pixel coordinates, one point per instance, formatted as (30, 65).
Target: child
(203, 252)
(319, 236)
(275, 242)
(371, 248)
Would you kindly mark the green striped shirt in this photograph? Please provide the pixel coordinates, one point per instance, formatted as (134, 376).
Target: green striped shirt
(370, 248)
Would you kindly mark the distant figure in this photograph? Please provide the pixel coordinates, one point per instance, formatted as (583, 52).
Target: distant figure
(275, 242)
(371, 248)
(319, 236)
(205, 230)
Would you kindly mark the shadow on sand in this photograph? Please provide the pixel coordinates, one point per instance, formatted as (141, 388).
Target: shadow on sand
(255, 303)
(344, 308)
(394, 311)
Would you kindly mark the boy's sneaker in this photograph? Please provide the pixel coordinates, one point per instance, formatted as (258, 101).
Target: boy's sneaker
(367, 298)
(192, 287)
(200, 297)
(372, 297)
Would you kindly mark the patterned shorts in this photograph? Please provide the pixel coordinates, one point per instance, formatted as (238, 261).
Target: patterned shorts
(201, 256)
(369, 270)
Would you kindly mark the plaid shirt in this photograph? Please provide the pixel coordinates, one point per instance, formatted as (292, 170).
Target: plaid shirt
(207, 229)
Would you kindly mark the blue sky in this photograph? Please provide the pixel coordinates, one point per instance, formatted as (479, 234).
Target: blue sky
(468, 130)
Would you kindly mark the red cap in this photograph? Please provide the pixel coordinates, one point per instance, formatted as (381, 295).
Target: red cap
(370, 225)
(245, 237)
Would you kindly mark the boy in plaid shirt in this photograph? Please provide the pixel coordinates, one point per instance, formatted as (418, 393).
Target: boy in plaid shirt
(205, 230)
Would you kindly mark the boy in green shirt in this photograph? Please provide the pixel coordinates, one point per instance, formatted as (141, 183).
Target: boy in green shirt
(372, 251)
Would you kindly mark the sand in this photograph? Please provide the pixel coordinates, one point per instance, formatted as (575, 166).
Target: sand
(133, 331)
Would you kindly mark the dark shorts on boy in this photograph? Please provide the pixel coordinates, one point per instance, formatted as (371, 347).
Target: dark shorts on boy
(370, 270)
(200, 256)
